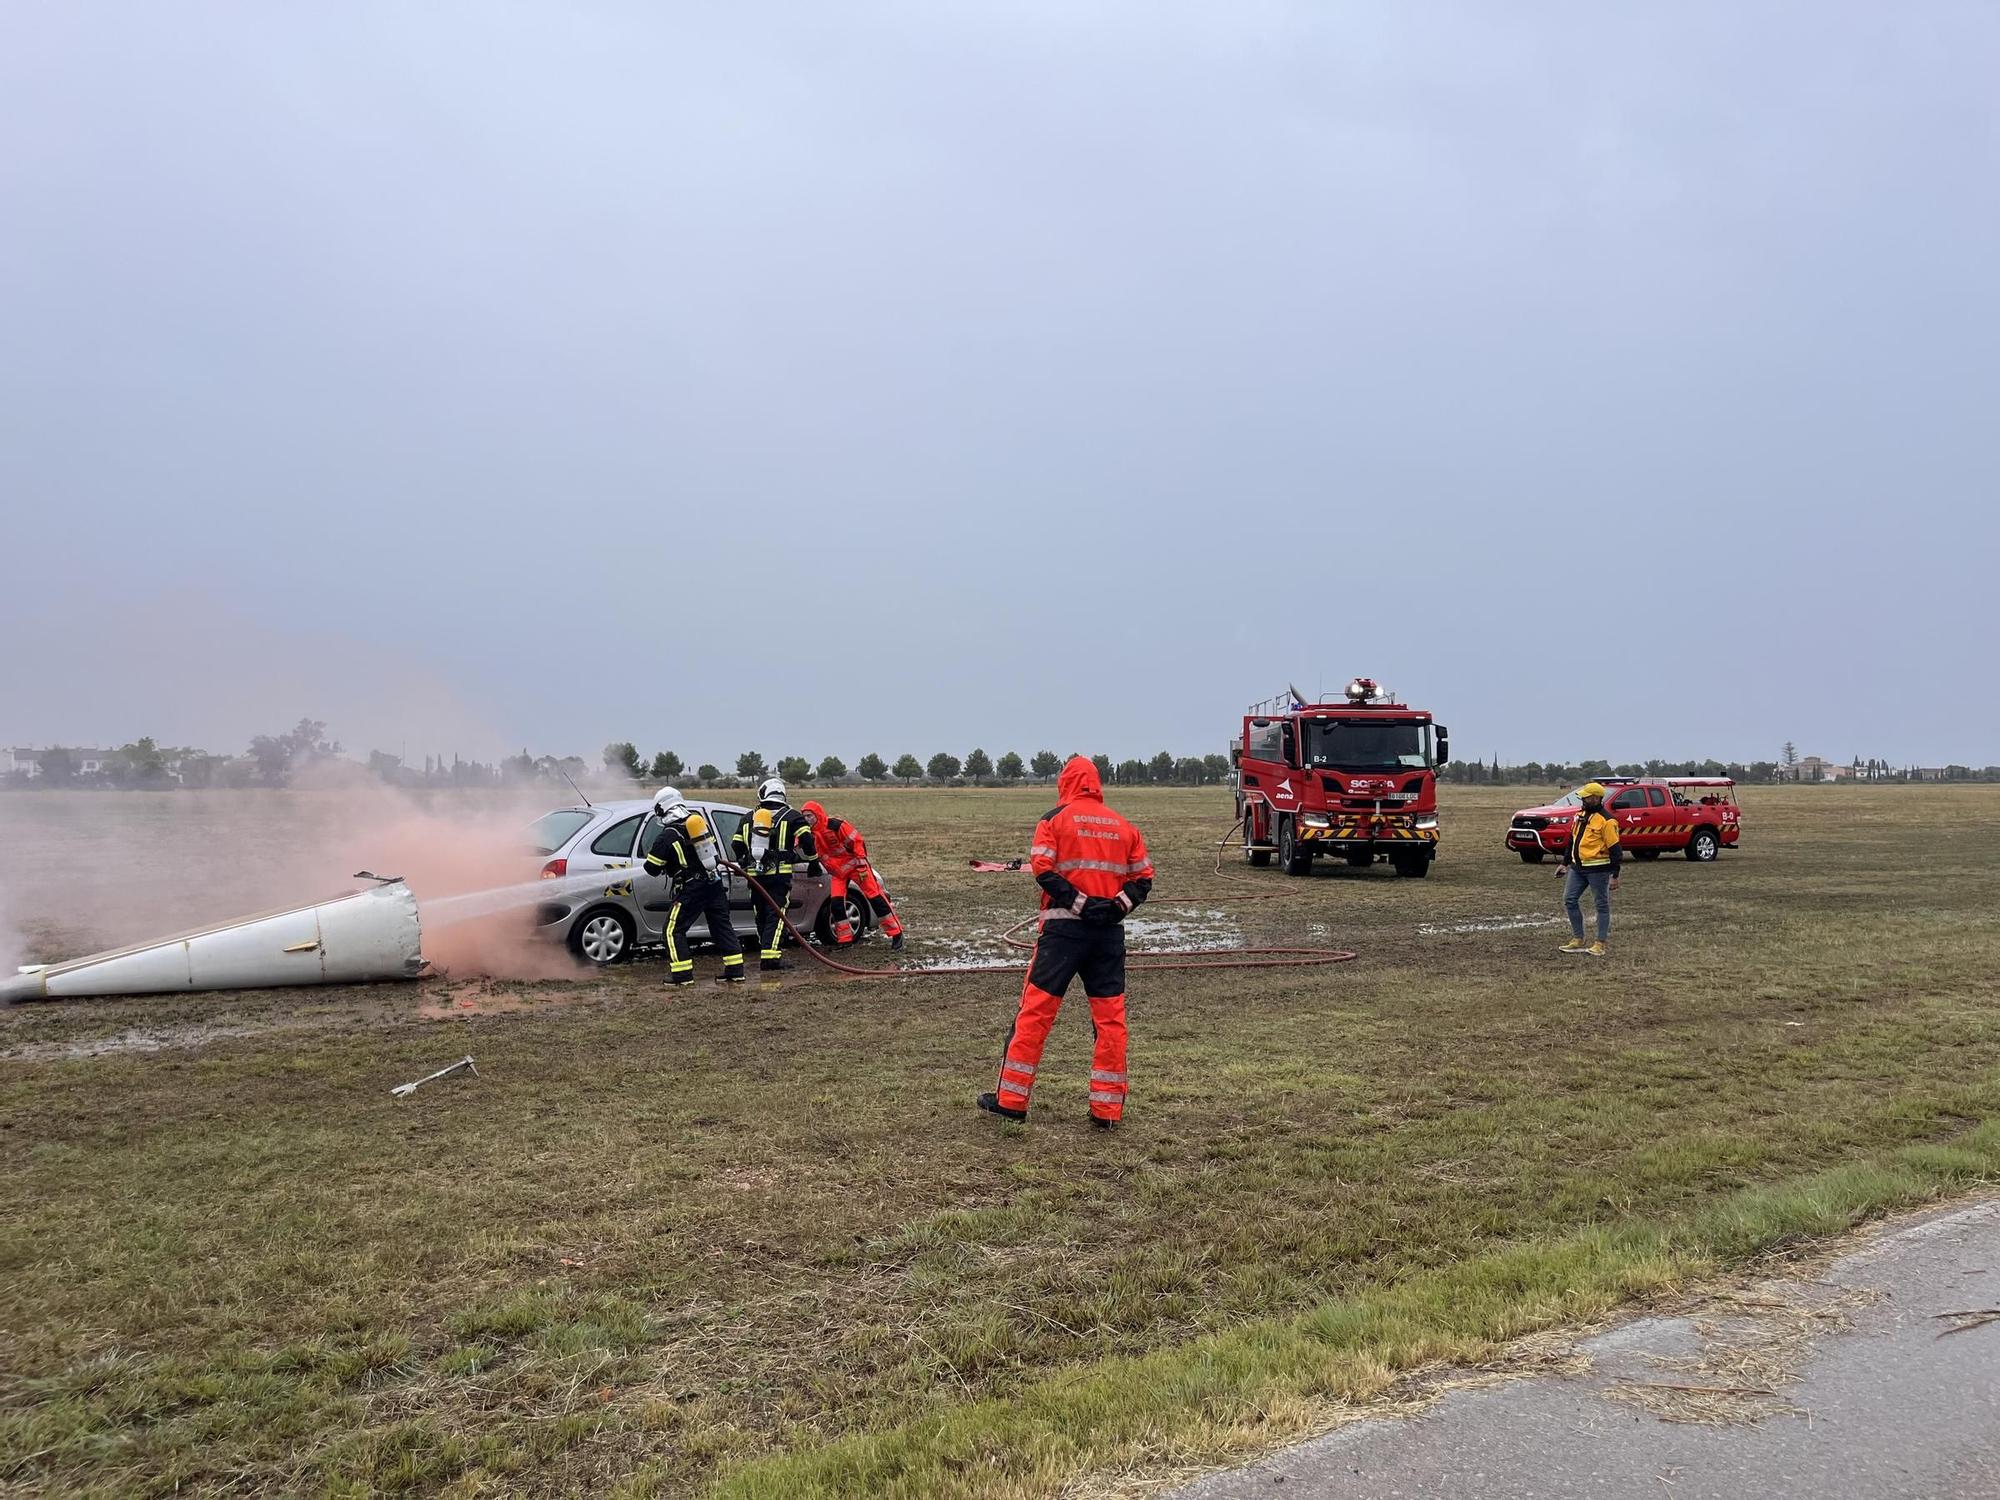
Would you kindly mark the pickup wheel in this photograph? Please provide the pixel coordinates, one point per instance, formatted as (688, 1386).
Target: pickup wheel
(1704, 846)
(1293, 856)
(1531, 856)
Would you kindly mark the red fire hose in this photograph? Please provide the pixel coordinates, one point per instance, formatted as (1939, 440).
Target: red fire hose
(1186, 958)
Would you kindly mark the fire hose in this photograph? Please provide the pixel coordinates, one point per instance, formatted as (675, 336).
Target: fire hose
(1182, 959)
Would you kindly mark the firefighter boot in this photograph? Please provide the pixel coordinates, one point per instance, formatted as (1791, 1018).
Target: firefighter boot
(1098, 1122)
(992, 1105)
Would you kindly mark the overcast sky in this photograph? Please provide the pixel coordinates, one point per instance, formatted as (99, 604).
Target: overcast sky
(1610, 379)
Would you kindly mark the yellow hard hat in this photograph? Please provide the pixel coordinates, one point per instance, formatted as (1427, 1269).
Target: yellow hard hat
(1591, 789)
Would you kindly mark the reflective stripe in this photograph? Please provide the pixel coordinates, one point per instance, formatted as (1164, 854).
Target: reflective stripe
(681, 966)
(1098, 1075)
(1042, 850)
(1138, 867)
(1059, 914)
(1026, 1070)
(1106, 1096)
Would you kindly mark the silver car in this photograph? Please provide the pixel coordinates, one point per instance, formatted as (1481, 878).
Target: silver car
(608, 923)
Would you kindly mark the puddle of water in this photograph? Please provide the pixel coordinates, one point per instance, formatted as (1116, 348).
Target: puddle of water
(1489, 924)
(124, 1042)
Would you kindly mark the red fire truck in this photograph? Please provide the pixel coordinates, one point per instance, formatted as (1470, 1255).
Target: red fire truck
(1354, 780)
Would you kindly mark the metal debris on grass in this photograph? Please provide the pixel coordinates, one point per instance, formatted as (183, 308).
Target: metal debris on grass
(404, 1090)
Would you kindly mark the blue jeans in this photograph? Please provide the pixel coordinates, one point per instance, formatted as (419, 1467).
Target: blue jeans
(1598, 879)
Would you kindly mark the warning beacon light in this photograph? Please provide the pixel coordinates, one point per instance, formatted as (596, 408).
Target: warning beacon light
(1362, 689)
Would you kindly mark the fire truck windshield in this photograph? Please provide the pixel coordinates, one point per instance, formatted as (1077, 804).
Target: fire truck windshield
(1372, 744)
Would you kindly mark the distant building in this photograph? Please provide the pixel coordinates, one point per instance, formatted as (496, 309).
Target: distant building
(27, 764)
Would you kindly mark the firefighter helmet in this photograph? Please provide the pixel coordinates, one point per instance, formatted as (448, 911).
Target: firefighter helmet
(771, 790)
(668, 803)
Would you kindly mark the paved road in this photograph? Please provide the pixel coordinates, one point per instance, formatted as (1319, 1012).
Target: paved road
(1838, 1386)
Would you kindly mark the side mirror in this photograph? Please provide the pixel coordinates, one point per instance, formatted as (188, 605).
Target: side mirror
(1235, 755)
(1443, 744)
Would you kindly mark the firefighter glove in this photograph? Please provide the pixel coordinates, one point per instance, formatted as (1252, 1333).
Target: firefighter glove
(815, 869)
(1103, 911)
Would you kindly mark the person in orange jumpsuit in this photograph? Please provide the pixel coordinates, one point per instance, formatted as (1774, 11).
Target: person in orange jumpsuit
(1093, 869)
(845, 854)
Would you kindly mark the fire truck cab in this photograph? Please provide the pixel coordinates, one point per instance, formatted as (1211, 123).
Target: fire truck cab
(1354, 780)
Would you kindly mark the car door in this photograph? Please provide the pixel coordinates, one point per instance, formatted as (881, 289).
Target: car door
(727, 820)
(1629, 807)
(609, 848)
(653, 895)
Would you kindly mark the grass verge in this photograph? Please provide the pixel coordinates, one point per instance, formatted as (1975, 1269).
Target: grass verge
(1233, 1393)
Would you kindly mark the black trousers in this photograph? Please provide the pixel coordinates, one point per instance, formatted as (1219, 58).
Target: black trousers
(772, 896)
(701, 898)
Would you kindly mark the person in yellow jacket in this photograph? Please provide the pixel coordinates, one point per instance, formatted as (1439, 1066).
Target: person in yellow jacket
(1591, 861)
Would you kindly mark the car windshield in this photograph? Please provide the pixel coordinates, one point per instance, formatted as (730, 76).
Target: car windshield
(551, 831)
(1372, 744)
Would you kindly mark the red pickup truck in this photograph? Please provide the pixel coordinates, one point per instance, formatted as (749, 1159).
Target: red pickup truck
(1695, 815)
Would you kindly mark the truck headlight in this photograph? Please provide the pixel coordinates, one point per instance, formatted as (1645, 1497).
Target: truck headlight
(1316, 820)
(1427, 820)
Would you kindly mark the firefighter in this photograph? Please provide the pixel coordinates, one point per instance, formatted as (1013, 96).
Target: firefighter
(687, 852)
(1591, 861)
(1093, 869)
(845, 854)
(767, 845)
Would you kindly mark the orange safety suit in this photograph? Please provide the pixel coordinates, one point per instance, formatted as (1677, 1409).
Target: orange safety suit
(1093, 869)
(845, 854)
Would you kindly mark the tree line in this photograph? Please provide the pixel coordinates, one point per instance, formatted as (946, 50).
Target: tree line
(975, 768)
(278, 760)
(1748, 773)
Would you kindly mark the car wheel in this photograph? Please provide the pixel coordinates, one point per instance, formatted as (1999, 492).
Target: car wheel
(859, 919)
(602, 937)
(1293, 856)
(1531, 856)
(1703, 846)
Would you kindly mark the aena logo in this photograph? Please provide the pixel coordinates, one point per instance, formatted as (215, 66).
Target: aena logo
(1285, 787)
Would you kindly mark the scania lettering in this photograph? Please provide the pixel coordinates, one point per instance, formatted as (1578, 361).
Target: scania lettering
(1354, 780)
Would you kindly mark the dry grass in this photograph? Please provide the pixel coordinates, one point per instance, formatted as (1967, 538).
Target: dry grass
(763, 1244)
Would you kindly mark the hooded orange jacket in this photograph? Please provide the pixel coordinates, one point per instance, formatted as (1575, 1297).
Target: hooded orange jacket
(1083, 849)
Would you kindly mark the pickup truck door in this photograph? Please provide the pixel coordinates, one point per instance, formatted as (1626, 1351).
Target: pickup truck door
(1630, 809)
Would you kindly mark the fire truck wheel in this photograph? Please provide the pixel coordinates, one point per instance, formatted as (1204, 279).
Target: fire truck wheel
(1411, 867)
(1292, 855)
(1361, 859)
(1530, 856)
(1703, 846)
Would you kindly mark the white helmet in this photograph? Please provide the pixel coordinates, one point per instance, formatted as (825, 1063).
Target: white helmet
(667, 802)
(771, 790)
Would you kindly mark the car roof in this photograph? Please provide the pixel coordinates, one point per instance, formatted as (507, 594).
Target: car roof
(625, 807)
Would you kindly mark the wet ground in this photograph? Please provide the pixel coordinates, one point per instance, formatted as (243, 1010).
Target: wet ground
(1875, 1376)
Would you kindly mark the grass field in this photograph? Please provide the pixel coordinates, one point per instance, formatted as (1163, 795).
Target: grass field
(762, 1245)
